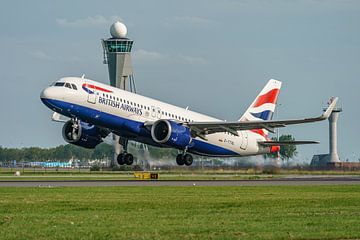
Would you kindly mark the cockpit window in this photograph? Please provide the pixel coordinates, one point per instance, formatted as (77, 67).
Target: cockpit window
(74, 86)
(68, 85)
(59, 84)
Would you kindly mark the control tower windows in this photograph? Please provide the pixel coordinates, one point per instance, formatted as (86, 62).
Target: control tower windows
(118, 45)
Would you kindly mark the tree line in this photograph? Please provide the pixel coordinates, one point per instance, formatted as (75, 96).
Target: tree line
(106, 151)
(59, 153)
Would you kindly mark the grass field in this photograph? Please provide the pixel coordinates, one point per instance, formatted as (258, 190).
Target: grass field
(306, 212)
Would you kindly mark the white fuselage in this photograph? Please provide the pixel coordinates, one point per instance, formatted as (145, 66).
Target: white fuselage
(125, 113)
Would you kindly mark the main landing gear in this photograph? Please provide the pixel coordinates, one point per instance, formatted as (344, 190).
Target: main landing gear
(185, 158)
(124, 157)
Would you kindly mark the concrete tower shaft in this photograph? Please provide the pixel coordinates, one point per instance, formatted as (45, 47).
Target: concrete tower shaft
(333, 154)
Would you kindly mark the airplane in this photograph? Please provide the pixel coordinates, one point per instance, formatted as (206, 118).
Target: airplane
(96, 110)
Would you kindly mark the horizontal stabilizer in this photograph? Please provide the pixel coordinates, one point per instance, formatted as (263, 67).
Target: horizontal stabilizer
(282, 143)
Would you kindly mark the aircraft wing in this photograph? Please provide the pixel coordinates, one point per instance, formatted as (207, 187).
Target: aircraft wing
(203, 128)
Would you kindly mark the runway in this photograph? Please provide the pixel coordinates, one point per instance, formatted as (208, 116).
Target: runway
(173, 183)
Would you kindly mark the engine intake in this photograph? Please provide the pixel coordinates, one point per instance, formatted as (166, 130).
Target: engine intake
(83, 134)
(171, 134)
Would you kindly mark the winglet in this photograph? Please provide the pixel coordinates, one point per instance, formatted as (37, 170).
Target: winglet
(332, 104)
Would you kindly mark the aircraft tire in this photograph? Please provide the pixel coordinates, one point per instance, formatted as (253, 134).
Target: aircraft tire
(188, 159)
(120, 159)
(180, 160)
(128, 159)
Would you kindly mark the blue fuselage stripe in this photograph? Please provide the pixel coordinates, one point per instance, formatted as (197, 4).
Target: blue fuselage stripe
(128, 128)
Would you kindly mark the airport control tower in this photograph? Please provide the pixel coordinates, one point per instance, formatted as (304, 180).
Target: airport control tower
(117, 55)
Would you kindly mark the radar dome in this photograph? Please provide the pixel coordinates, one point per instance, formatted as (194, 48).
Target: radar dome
(118, 30)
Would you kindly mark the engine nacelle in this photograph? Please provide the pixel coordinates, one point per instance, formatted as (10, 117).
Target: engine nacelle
(83, 134)
(171, 134)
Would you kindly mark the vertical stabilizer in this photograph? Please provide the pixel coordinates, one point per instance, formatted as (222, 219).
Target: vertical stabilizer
(263, 107)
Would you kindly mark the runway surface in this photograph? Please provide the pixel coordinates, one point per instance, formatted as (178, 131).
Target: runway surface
(120, 183)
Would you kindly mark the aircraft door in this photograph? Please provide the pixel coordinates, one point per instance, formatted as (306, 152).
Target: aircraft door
(92, 95)
(158, 112)
(153, 112)
(244, 143)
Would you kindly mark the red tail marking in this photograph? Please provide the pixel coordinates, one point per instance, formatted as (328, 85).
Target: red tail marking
(269, 97)
(259, 131)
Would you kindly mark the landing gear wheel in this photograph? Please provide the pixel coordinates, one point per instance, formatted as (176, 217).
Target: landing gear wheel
(120, 159)
(180, 160)
(188, 159)
(128, 159)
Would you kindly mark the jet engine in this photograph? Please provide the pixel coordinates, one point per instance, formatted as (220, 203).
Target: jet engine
(83, 134)
(171, 134)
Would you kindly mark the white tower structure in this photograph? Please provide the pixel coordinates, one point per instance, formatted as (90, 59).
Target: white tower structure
(333, 154)
(325, 160)
(117, 55)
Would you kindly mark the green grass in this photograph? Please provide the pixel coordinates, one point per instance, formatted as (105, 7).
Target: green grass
(276, 212)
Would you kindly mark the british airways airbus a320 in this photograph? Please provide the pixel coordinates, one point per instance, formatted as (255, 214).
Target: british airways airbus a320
(96, 110)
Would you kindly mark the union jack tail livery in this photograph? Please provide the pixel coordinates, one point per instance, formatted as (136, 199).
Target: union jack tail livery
(263, 107)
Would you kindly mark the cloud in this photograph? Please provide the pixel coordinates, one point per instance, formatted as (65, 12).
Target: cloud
(41, 55)
(144, 55)
(192, 20)
(97, 20)
(192, 60)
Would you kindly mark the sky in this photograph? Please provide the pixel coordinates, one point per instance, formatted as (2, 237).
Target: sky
(214, 56)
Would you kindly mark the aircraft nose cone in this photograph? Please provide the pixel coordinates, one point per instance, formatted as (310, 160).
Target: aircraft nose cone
(46, 97)
(45, 94)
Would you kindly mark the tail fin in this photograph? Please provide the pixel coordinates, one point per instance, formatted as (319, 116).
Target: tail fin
(263, 107)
